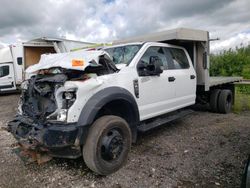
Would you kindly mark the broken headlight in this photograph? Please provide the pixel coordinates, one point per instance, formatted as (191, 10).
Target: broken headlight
(69, 95)
(69, 98)
(24, 85)
(62, 115)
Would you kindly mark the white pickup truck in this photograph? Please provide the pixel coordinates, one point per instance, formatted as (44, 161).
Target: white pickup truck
(93, 103)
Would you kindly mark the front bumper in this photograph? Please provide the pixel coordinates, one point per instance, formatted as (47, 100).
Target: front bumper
(56, 139)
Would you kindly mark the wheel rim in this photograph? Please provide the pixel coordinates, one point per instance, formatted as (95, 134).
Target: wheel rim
(112, 145)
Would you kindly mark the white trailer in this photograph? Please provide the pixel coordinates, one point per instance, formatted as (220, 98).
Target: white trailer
(14, 59)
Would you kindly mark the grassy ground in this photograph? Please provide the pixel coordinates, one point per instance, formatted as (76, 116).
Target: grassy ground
(242, 98)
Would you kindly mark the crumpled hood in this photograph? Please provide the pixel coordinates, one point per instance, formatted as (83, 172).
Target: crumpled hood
(77, 60)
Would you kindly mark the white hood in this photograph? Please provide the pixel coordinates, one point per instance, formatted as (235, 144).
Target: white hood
(77, 60)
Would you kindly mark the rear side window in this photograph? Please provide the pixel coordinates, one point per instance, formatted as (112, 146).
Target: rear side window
(4, 71)
(179, 58)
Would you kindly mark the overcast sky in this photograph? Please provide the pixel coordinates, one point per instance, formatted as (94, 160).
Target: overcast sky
(107, 20)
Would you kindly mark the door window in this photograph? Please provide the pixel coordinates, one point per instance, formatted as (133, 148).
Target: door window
(4, 70)
(179, 58)
(155, 51)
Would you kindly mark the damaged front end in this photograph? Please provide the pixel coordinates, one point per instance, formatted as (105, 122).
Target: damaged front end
(41, 123)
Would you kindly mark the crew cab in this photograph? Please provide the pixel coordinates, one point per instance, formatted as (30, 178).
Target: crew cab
(93, 103)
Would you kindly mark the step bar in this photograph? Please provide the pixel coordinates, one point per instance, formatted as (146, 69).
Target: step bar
(156, 122)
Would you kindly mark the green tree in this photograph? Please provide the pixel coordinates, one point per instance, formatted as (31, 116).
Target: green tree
(231, 63)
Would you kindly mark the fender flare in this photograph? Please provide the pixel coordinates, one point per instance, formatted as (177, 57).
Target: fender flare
(101, 98)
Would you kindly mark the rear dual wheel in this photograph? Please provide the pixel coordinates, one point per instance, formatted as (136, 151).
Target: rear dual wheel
(107, 145)
(214, 100)
(221, 101)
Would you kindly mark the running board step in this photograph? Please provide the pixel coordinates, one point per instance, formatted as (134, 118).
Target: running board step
(145, 126)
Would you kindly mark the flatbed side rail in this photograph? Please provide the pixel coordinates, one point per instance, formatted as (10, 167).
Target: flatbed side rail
(215, 81)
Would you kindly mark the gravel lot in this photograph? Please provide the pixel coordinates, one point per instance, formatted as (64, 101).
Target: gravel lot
(201, 150)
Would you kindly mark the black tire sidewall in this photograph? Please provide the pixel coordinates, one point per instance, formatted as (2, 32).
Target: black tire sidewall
(245, 178)
(214, 100)
(116, 164)
(92, 150)
(222, 101)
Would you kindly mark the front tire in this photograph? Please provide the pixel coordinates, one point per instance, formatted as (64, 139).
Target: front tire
(107, 145)
(245, 182)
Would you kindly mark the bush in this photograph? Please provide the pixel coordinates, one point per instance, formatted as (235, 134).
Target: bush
(231, 63)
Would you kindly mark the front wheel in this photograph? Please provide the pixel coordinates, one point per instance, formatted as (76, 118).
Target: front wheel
(245, 182)
(107, 145)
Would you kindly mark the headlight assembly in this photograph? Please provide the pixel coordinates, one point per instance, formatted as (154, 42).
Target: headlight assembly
(24, 85)
(62, 115)
(69, 98)
(68, 95)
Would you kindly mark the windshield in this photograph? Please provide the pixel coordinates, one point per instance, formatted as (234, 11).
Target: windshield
(123, 54)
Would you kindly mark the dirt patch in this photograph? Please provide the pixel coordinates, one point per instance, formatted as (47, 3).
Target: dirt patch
(201, 150)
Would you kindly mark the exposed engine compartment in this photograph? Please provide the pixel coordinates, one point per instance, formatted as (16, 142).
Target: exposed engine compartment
(38, 95)
(38, 100)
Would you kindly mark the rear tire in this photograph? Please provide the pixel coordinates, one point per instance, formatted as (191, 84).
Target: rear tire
(107, 145)
(225, 101)
(214, 100)
(245, 182)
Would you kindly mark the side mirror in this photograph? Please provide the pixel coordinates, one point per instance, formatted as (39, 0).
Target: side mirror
(157, 65)
(142, 69)
(152, 69)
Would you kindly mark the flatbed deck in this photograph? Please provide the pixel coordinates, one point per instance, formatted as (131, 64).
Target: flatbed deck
(214, 81)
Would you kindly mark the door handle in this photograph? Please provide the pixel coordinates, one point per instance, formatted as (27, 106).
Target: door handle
(192, 77)
(171, 79)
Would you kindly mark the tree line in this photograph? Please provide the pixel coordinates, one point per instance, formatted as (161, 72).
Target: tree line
(231, 63)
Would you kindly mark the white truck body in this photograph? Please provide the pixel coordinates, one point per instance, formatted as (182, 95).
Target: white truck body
(170, 96)
(14, 59)
(93, 103)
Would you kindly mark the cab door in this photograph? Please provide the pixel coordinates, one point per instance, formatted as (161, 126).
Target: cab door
(184, 77)
(7, 78)
(156, 93)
